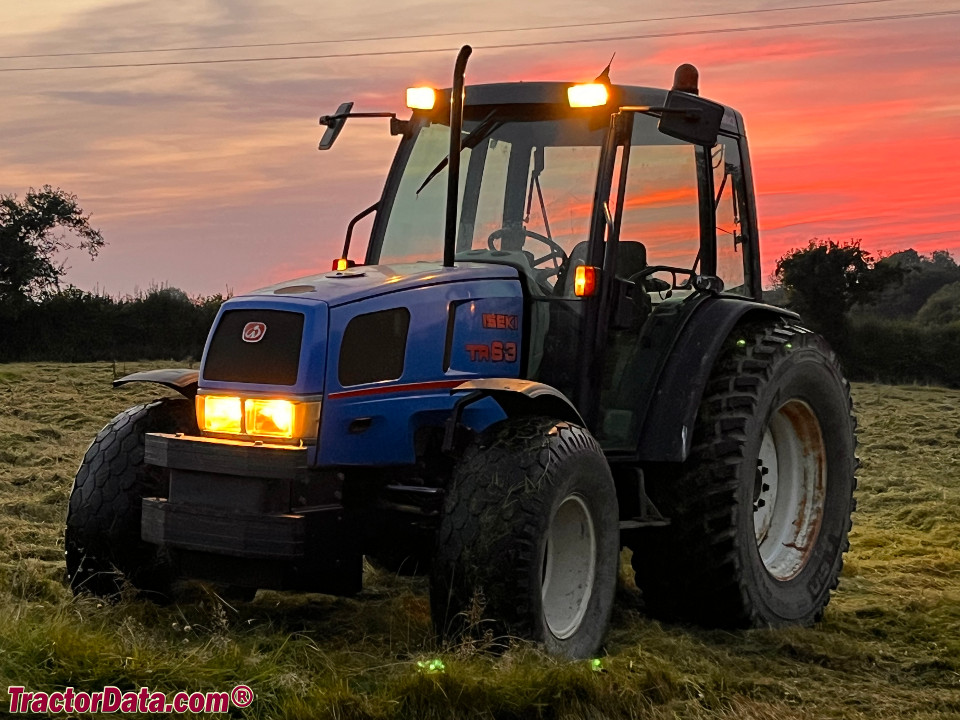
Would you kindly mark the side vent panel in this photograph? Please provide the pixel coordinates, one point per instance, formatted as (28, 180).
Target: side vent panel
(373, 347)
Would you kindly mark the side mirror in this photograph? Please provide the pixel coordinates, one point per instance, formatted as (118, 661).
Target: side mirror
(334, 125)
(691, 118)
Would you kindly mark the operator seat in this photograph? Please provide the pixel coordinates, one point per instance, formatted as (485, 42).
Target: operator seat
(631, 259)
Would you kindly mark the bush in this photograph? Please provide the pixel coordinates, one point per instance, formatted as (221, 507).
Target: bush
(943, 306)
(77, 326)
(902, 351)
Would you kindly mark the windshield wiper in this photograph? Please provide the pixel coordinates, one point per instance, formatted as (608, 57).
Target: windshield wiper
(481, 132)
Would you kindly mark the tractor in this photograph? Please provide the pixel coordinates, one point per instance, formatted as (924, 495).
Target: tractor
(555, 347)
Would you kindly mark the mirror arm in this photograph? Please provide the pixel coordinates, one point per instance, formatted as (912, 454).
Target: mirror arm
(689, 113)
(329, 120)
(397, 126)
(360, 216)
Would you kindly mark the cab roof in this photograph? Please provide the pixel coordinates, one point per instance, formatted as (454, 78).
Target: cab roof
(555, 93)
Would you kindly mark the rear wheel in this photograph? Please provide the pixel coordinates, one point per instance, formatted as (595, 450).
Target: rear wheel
(761, 511)
(528, 545)
(102, 537)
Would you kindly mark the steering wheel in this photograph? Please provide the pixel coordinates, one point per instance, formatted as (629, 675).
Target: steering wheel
(652, 284)
(555, 254)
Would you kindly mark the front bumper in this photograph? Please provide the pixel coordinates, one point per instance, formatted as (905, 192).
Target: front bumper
(239, 512)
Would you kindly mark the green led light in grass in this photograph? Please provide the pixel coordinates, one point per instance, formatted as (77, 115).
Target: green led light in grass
(741, 343)
(431, 666)
(596, 665)
(789, 346)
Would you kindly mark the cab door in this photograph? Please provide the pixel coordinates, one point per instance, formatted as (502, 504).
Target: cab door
(676, 208)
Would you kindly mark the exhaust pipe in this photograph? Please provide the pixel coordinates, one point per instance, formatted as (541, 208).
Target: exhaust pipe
(453, 164)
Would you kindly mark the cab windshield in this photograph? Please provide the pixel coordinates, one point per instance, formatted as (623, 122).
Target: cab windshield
(526, 193)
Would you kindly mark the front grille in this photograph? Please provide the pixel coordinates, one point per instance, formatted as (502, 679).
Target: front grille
(273, 359)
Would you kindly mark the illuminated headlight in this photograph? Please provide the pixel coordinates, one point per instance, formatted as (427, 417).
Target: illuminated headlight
(219, 414)
(587, 95)
(421, 98)
(259, 417)
(270, 417)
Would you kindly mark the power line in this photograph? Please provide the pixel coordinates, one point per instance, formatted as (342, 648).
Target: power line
(500, 46)
(422, 36)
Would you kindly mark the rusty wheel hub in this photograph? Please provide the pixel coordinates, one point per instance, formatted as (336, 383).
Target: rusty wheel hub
(789, 489)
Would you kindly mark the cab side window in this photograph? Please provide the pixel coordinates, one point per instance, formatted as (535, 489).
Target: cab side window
(661, 208)
(730, 197)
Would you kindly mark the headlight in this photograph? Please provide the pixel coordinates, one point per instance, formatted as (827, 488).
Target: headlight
(219, 414)
(588, 95)
(258, 417)
(270, 417)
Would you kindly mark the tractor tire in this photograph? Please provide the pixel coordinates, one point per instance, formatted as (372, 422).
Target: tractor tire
(102, 537)
(529, 540)
(761, 510)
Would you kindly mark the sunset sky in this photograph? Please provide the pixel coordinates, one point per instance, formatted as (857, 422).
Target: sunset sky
(206, 177)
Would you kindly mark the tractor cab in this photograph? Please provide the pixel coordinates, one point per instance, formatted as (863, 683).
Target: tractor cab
(620, 207)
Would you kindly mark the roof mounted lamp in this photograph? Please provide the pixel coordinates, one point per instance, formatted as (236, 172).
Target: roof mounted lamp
(687, 79)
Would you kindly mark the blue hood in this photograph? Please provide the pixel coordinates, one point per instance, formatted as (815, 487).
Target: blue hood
(339, 288)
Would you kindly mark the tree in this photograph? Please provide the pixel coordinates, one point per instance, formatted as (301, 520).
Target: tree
(923, 276)
(32, 232)
(825, 279)
(943, 259)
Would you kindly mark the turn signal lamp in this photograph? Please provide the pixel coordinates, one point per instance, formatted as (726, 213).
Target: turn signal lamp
(585, 281)
(421, 98)
(259, 417)
(588, 95)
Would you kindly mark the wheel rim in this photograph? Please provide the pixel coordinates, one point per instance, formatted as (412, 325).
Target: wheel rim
(569, 566)
(789, 489)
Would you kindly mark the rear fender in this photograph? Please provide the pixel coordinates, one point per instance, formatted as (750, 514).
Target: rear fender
(182, 380)
(666, 433)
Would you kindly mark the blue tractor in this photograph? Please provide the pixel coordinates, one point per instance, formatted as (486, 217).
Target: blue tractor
(555, 347)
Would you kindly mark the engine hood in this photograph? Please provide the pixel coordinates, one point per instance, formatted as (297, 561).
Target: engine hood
(359, 283)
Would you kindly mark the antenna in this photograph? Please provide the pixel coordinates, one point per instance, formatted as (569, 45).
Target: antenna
(604, 77)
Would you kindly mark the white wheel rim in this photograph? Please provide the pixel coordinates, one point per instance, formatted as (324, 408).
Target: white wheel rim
(569, 566)
(790, 489)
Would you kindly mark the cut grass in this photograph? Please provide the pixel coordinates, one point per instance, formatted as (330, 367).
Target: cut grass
(889, 645)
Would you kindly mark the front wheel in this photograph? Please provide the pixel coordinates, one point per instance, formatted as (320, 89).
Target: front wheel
(102, 537)
(761, 510)
(528, 545)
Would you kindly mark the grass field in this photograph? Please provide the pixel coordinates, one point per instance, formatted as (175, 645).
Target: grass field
(888, 647)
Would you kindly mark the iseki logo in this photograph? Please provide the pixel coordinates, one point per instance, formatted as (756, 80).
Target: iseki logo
(254, 332)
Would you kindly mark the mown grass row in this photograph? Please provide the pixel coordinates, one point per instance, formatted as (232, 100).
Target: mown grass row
(889, 645)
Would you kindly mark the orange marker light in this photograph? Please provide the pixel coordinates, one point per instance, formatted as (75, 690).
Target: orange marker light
(585, 281)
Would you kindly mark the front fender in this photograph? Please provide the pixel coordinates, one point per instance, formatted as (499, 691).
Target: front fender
(182, 380)
(524, 397)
